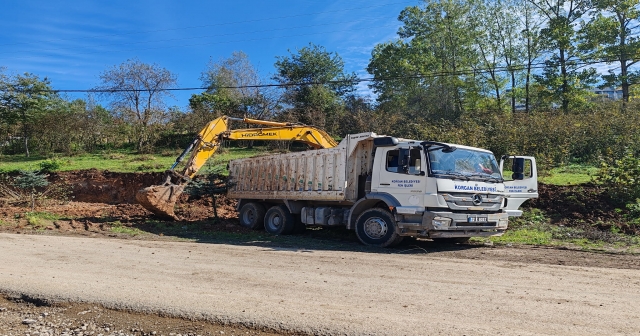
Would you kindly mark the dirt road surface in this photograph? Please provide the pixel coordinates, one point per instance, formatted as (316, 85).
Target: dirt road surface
(324, 291)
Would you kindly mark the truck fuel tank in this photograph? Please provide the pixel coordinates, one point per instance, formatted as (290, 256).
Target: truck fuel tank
(323, 216)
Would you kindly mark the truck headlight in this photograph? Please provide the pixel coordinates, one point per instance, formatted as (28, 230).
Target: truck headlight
(440, 222)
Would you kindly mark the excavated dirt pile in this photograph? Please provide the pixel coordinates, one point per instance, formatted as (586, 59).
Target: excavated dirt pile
(585, 205)
(101, 201)
(96, 186)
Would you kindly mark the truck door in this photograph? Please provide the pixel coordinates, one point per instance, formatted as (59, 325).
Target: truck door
(400, 172)
(520, 181)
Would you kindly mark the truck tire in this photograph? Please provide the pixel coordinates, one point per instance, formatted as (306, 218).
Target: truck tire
(251, 216)
(377, 227)
(279, 221)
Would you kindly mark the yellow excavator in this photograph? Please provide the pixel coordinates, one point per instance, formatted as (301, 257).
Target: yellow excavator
(161, 199)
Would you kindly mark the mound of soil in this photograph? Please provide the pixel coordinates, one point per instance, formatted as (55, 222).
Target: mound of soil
(579, 205)
(97, 186)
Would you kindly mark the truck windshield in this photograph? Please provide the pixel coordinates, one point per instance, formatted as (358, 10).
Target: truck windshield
(464, 164)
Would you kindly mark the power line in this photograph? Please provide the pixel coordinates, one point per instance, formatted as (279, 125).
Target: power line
(216, 24)
(538, 65)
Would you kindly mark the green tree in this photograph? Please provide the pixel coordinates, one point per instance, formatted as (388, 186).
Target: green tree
(318, 85)
(137, 91)
(29, 181)
(494, 46)
(612, 35)
(233, 89)
(430, 68)
(531, 26)
(22, 99)
(563, 77)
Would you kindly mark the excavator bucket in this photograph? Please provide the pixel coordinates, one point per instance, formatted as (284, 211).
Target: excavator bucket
(160, 199)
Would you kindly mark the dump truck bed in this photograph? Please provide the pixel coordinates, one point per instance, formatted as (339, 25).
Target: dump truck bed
(316, 175)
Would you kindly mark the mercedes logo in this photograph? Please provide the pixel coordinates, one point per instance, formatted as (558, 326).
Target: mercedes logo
(476, 199)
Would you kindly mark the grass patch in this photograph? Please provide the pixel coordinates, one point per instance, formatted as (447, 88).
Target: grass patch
(569, 175)
(121, 161)
(535, 228)
(117, 227)
(525, 236)
(39, 219)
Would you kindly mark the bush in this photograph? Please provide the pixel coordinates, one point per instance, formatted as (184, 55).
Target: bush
(621, 178)
(51, 165)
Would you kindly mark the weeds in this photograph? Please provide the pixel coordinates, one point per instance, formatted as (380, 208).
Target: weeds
(39, 219)
(118, 227)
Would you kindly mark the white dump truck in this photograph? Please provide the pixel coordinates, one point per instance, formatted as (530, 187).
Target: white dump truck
(384, 188)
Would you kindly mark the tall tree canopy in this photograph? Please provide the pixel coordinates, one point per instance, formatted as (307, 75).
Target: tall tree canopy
(23, 98)
(232, 89)
(321, 85)
(612, 35)
(564, 78)
(137, 91)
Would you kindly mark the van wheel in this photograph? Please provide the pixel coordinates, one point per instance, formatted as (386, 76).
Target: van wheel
(251, 216)
(279, 221)
(377, 227)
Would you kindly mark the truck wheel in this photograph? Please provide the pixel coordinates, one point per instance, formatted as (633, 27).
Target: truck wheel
(377, 227)
(279, 221)
(251, 215)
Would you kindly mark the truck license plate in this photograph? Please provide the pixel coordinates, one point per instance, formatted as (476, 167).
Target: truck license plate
(477, 219)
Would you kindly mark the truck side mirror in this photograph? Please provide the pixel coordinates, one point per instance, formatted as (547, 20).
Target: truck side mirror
(518, 169)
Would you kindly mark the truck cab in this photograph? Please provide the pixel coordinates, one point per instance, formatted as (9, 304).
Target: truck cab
(446, 191)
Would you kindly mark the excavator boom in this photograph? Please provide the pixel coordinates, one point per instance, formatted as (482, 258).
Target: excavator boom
(160, 199)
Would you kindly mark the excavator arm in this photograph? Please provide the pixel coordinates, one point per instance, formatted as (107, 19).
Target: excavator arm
(161, 199)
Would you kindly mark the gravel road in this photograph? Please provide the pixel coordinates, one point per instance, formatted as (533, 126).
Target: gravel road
(325, 292)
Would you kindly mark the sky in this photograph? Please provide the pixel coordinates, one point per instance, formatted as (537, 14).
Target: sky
(72, 42)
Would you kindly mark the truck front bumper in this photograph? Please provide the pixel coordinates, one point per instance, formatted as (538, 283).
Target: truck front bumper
(452, 225)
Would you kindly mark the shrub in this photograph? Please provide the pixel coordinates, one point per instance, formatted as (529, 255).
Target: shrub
(29, 181)
(51, 165)
(622, 178)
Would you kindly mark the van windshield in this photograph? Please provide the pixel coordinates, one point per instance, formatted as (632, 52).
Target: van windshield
(464, 164)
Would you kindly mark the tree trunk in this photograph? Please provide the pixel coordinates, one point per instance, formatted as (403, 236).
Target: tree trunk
(565, 82)
(513, 92)
(25, 133)
(26, 145)
(625, 83)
